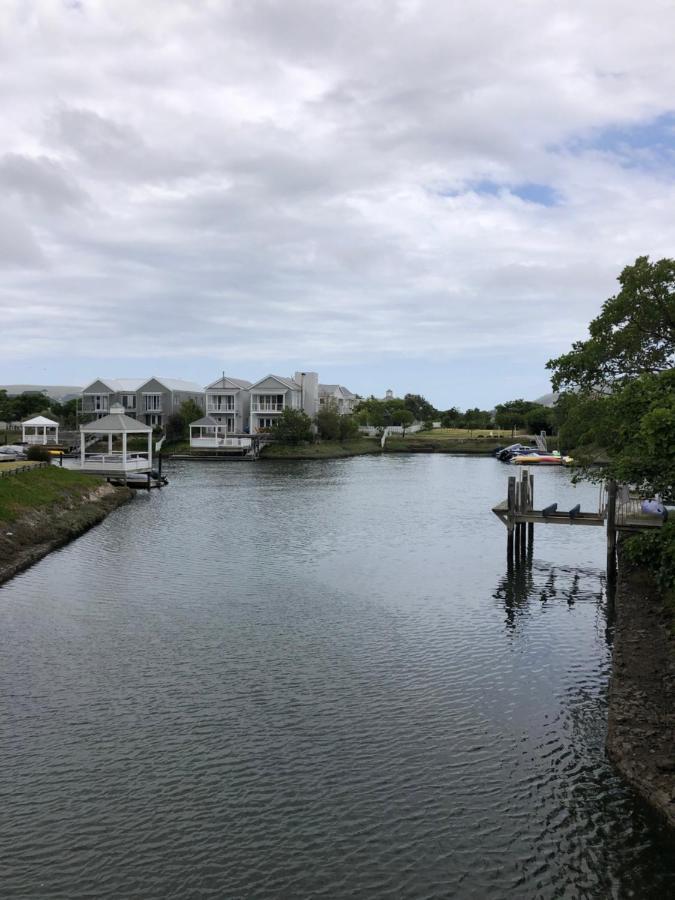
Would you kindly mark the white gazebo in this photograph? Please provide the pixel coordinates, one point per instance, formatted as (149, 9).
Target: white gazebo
(44, 431)
(115, 461)
(206, 433)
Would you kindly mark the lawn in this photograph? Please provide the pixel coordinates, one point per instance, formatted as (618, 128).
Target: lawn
(41, 488)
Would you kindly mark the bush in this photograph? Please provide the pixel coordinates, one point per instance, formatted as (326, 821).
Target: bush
(293, 426)
(38, 453)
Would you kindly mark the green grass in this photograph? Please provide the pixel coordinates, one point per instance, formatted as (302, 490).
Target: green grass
(322, 450)
(40, 489)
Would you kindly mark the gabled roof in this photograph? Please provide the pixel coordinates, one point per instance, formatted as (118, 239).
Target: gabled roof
(176, 384)
(40, 420)
(118, 385)
(334, 388)
(287, 382)
(205, 422)
(115, 423)
(227, 383)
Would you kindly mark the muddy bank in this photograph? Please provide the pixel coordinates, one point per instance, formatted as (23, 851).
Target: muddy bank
(36, 532)
(641, 728)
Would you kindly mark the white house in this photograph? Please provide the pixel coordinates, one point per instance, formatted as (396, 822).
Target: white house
(272, 395)
(228, 403)
(337, 395)
(150, 400)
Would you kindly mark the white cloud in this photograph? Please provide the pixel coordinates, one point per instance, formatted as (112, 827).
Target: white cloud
(279, 179)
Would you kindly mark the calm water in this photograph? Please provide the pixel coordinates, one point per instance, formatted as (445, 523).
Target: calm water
(295, 680)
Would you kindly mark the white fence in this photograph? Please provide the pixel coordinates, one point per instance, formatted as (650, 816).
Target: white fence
(371, 431)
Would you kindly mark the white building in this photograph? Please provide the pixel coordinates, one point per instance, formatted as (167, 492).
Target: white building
(272, 395)
(338, 396)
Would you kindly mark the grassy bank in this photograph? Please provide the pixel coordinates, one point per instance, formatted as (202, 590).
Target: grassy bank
(42, 489)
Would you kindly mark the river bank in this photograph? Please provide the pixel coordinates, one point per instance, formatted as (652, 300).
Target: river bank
(44, 508)
(641, 723)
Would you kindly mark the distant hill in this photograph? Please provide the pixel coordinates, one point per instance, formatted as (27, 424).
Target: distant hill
(59, 392)
(547, 400)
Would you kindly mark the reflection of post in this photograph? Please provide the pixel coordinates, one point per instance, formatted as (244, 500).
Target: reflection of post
(611, 530)
(510, 516)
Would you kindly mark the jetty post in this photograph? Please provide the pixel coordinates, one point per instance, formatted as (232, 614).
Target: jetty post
(530, 525)
(612, 490)
(510, 517)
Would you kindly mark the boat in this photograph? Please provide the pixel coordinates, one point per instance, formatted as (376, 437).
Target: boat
(542, 459)
(506, 454)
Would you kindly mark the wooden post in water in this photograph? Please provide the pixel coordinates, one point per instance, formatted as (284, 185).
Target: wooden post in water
(530, 525)
(611, 530)
(524, 485)
(510, 517)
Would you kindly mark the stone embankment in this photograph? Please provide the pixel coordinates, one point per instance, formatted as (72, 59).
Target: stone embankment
(641, 732)
(35, 532)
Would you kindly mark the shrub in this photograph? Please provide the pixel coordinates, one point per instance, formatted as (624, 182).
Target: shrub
(38, 453)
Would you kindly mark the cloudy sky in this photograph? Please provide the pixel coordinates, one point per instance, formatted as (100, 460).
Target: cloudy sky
(427, 195)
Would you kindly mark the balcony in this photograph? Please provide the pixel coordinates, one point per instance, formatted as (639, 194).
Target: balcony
(266, 407)
(221, 408)
(220, 443)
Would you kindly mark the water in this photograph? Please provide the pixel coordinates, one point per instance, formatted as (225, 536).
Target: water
(295, 680)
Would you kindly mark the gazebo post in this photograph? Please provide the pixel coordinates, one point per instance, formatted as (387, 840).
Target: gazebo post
(82, 440)
(110, 444)
(124, 449)
(150, 447)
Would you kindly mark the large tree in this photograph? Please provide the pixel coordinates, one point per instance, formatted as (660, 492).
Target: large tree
(634, 333)
(618, 395)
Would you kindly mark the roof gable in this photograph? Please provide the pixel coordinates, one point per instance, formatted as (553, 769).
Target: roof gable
(268, 383)
(229, 384)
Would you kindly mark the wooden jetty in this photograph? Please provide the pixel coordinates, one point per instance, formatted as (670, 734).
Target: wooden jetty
(618, 511)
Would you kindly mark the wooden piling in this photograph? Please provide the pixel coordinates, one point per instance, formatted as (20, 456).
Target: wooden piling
(530, 525)
(611, 530)
(511, 516)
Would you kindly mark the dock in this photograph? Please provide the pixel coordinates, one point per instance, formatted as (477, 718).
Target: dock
(618, 511)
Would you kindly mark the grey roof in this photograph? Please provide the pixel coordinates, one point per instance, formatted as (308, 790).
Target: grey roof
(288, 382)
(115, 422)
(177, 384)
(205, 422)
(334, 388)
(225, 382)
(118, 384)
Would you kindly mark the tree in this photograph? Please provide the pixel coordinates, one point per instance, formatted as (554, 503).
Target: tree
(476, 418)
(293, 426)
(328, 422)
(380, 413)
(405, 419)
(620, 397)
(451, 418)
(540, 418)
(420, 407)
(633, 335)
(349, 428)
(178, 423)
(513, 413)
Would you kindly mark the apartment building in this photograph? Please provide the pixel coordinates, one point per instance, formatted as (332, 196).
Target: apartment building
(338, 396)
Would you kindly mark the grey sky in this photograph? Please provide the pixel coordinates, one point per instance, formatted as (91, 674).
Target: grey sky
(423, 195)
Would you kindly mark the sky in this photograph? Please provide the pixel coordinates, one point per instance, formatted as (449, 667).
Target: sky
(424, 195)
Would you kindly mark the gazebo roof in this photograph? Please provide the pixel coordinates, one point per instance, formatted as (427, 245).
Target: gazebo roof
(115, 423)
(40, 420)
(204, 422)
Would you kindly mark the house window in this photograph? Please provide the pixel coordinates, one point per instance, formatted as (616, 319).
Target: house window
(154, 419)
(153, 402)
(100, 402)
(129, 401)
(264, 422)
(270, 402)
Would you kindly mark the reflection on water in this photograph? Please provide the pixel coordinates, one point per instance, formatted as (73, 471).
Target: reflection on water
(299, 680)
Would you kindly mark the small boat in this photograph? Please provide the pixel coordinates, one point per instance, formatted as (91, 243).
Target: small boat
(506, 454)
(538, 459)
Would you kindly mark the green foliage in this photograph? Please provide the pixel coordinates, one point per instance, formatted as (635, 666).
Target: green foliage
(66, 413)
(328, 422)
(380, 413)
(38, 453)
(654, 551)
(513, 414)
(477, 418)
(540, 418)
(349, 428)
(13, 409)
(293, 426)
(40, 488)
(621, 398)
(634, 333)
(420, 407)
(451, 418)
(178, 423)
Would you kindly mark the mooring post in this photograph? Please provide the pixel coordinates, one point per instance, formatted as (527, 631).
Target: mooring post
(530, 525)
(510, 516)
(524, 484)
(611, 530)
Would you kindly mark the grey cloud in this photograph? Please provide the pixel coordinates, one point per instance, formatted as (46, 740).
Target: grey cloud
(39, 179)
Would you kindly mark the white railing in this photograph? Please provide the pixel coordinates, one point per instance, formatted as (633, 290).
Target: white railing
(207, 443)
(267, 407)
(40, 439)
(115, 462)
